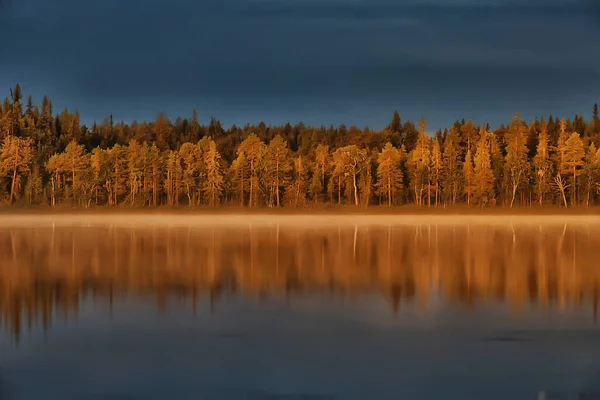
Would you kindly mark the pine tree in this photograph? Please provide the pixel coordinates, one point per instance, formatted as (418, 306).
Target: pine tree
(295, 193)
(16, 114)
(136, 158)
(497, 163)
(573, 154)
(451, 172)
(155, 169)
(542, 164)
(193, 169)
(395, 125)
(173, 177)
(213, 186)
(419, 164)
(277, 167)
(34, 188)
(469, 176)
(349, 161)
(591, 171)
(16, 156)
(253, 151)
(436, 168)
(365, 185)
(517, 166)
(321, 167)
(192, 130)
(29, 119)
(483, 177)
(389, 174)
(469, 135)
(162, 131)
(240, 175)
(76, 161)
(56, 167)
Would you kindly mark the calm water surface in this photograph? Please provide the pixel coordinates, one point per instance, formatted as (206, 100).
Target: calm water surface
(397, 312)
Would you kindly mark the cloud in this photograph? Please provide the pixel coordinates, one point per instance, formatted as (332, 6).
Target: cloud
(378, 9)
(233, 54)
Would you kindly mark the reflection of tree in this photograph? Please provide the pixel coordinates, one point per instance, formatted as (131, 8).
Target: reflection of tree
(45, 273)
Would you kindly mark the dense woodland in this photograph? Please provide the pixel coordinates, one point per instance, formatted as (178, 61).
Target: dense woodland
(52, 159)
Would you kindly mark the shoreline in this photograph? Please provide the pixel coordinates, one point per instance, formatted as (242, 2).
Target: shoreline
(326, 210)
(268, 220)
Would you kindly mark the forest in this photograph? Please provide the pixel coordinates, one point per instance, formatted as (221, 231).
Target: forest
(49, 159)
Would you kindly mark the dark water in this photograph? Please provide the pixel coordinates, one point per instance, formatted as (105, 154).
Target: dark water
(403, 312)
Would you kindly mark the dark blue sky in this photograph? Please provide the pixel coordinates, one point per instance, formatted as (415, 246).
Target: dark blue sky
(322, 62)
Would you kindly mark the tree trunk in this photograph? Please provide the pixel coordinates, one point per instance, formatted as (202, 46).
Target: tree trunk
(389, 190)
(187, 186)
(429, 195)
(561, 186)
(587, 198)
(355, 189)
(53, 195)
(155, 183)
(73, 178)
(250, 201)
(574, 186)
(277, 181)
(14, 177)
(514, 192)
(242, 189)
(417, 196)
(116, 181)
(213, 196)
(323, 173)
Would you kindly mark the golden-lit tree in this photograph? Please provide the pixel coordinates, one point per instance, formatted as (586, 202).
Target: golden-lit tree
(572, 161)
(276, 168)
(517, 165)
(193, 169)
(389, 174)
(76, 161)
(435, 169)
(252, 151)
(348, 162)
(542, 164)
(162, 131)
(213, 184)
(451, 172)
(173, 177)
(469, 176)
(321, 167)
(16, 156)
(419, 165)
(295, 193)
(240, 176)
(483, 177)
(591, 171)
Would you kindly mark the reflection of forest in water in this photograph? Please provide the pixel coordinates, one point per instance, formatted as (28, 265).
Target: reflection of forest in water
(48, 270)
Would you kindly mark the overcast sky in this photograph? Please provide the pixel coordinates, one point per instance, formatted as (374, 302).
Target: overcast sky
(322, 62)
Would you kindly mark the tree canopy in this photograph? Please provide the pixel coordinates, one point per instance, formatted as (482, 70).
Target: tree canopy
(54, 159)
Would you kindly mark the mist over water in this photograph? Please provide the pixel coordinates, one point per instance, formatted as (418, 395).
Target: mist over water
(243, 311)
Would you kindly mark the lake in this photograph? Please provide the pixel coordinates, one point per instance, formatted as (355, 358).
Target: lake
(313, 307)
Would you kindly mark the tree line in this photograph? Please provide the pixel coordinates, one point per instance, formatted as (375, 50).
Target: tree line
(48, 159)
